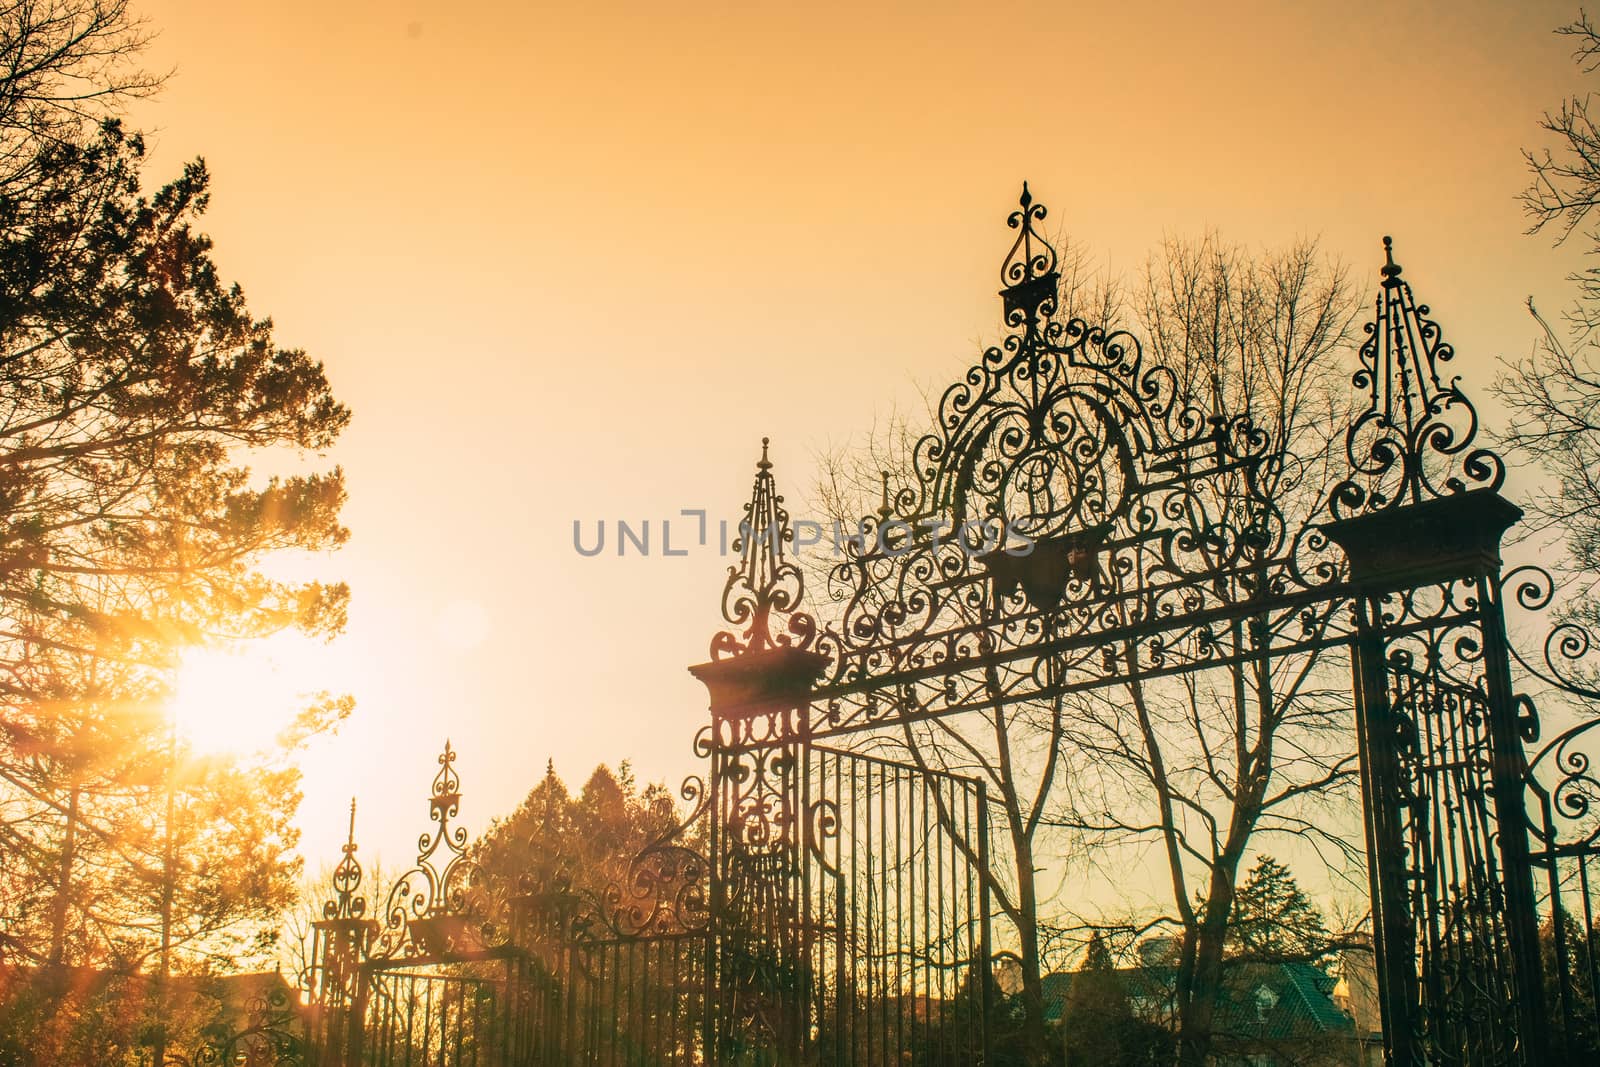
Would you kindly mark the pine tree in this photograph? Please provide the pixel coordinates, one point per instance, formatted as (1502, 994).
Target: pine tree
(129, 530)
(136, 386)
(1273, 919)
(1094, 1010)
(582, 845)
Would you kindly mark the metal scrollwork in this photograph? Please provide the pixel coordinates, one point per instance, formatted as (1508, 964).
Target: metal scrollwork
(343, 935)
(763, 591)
(665, 890)
(1416, 440)
(1566, 660)
(1563, 776)
(426, 909)
(1080, 516)
(1029, 273)
(347, 901)
(269, 1037)
(1074, 486)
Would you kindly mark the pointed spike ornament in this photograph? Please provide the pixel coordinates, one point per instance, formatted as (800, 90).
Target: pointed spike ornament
(1390, 272)
(762, 669)
(764, 589)
(421, 899)
(1416, 440)
(345, 903)
(1029, 273)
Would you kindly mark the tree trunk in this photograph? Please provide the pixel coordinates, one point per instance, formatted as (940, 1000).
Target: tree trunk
(1035, 1044)
(58, 918)
(1196, 1013)
(1197, 1009)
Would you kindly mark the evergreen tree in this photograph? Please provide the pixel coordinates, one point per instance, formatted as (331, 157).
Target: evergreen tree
(1273, 920)
(580, 846)
(137, 387)
(129, 531)
(1095, 1007)
(1099, 1026)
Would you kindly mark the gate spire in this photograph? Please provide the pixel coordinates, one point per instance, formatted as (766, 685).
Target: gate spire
(1438, 718)
(765, 664)
(341, 940)
(345, 903)
(426, 911)
(1029, 273)
(1416, 441)
(764, 589)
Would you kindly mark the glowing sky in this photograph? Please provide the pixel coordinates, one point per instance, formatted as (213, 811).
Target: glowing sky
(574, 262)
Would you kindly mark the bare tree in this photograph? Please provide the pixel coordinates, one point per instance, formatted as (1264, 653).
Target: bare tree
(1565, 185)
(1552, 396)
(65, 66)
(313, 893)
(1200, 765)
(1013, 749)
(1208, 763)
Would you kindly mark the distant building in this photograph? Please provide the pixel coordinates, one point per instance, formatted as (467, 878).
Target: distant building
(1356, 994)
(1268, 1015)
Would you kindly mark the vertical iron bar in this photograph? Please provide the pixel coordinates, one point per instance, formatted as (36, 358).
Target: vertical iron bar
(1392, 939)
(901, 937)
(714, 853)
(983, 914)
(1558, 924)
(1509, 772)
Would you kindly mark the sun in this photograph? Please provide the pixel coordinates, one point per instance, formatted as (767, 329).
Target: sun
(238, 699)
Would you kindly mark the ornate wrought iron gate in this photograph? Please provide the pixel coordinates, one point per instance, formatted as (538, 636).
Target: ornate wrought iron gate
(818, 906)
(851, 929)
(1079, 518)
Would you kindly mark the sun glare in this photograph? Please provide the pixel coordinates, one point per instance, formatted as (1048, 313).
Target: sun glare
(239, 700)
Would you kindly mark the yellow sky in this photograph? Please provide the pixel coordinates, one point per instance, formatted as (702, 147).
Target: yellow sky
(573, 262)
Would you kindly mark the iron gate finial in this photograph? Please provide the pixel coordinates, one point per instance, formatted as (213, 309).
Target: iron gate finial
(1029, 273)
(346, 904)
(764, 589)
(1390, 271)
(1416, 439)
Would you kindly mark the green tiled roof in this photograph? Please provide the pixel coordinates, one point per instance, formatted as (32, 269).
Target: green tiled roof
(1301, 1003)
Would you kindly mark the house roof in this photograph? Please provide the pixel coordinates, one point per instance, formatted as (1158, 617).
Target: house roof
(1261, 1001)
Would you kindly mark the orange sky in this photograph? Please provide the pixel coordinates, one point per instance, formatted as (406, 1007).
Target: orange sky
(573, 263)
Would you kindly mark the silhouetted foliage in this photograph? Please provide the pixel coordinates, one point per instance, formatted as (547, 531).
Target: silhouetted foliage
(1205, 764)
(1565, 185)
(1575, 1024)
(65, 65)
(1273, 919)
(137, 387)
(1198, 765)
(134, 374)
(585, 842)
(1098, 1025)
